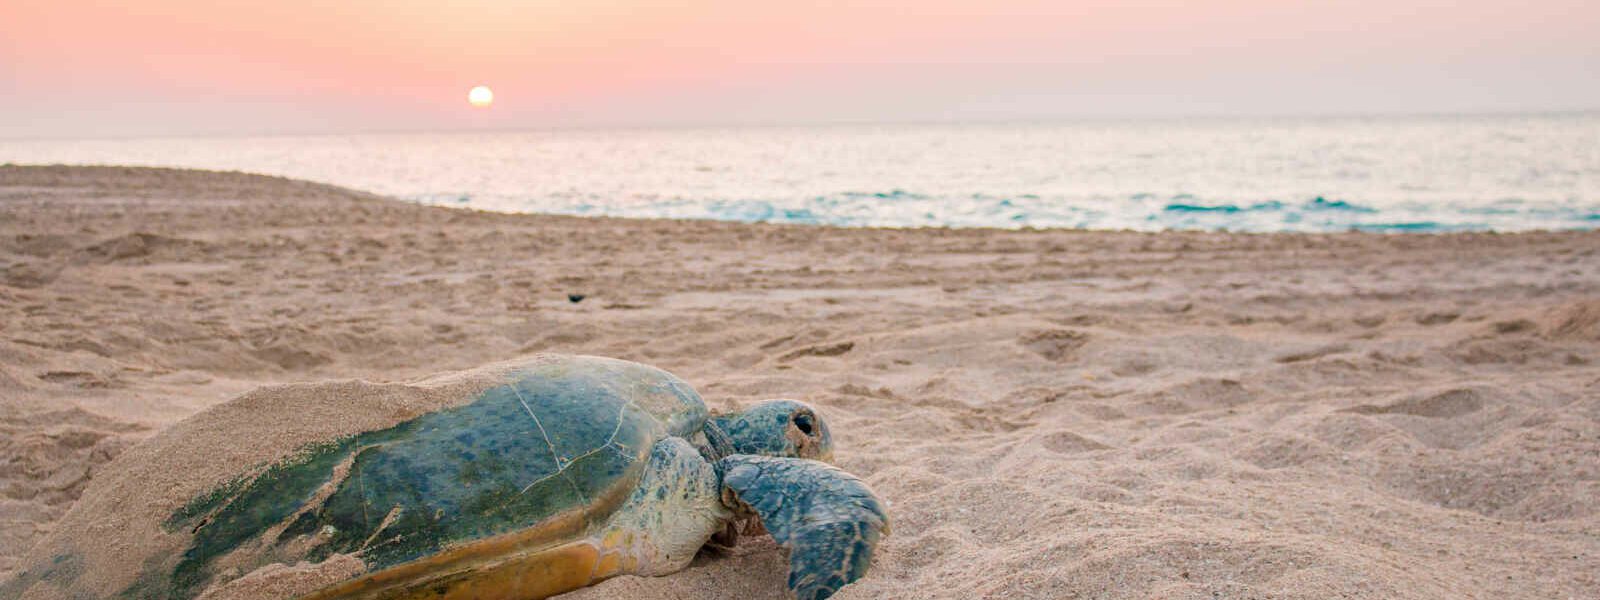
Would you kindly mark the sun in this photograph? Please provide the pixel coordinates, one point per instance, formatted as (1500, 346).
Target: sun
(480, 96)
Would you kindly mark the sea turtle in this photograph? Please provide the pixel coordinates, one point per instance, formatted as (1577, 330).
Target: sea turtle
(519, 480)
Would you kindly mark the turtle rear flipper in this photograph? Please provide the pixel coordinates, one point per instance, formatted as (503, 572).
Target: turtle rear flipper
(828, 519)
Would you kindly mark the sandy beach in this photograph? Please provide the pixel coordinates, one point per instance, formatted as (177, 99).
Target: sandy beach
(1050, 414)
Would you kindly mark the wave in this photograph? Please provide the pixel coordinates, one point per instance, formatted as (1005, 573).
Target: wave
(1315, 204)
(1144, 211)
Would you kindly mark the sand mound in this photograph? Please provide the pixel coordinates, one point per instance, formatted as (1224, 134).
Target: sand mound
(146, 247)
(1579, 321)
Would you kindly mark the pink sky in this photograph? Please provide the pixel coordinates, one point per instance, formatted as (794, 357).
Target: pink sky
(85, 68)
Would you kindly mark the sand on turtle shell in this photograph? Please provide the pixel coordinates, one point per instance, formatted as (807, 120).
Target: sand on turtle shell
(156, 479)
(1051, 414)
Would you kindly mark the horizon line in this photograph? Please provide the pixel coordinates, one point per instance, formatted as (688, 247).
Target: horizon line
(757, 124)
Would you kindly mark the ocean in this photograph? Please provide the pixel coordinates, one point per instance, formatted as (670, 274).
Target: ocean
(1389, 174)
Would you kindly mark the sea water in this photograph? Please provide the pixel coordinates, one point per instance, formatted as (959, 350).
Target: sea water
(1423, 174)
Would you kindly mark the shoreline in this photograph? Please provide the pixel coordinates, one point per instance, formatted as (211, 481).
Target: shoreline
(1049, 411)
(1401, 228)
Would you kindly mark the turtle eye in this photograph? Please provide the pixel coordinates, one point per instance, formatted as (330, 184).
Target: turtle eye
(803, 422)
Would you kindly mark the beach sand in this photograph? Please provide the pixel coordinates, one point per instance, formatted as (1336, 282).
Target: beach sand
(1051, 414)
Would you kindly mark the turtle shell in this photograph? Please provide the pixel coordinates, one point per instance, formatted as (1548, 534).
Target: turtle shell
(512, 458)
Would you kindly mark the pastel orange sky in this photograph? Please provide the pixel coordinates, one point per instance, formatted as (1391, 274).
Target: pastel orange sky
(86, 68)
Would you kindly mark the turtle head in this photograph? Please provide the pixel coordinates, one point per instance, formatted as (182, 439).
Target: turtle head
(778, 428)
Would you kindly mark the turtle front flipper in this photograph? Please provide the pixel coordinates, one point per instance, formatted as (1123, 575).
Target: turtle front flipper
(828, 519)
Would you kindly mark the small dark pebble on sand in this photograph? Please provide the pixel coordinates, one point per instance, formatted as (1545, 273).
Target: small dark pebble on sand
(575, 298)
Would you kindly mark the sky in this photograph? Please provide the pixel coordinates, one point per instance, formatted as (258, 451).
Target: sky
(97, 68)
